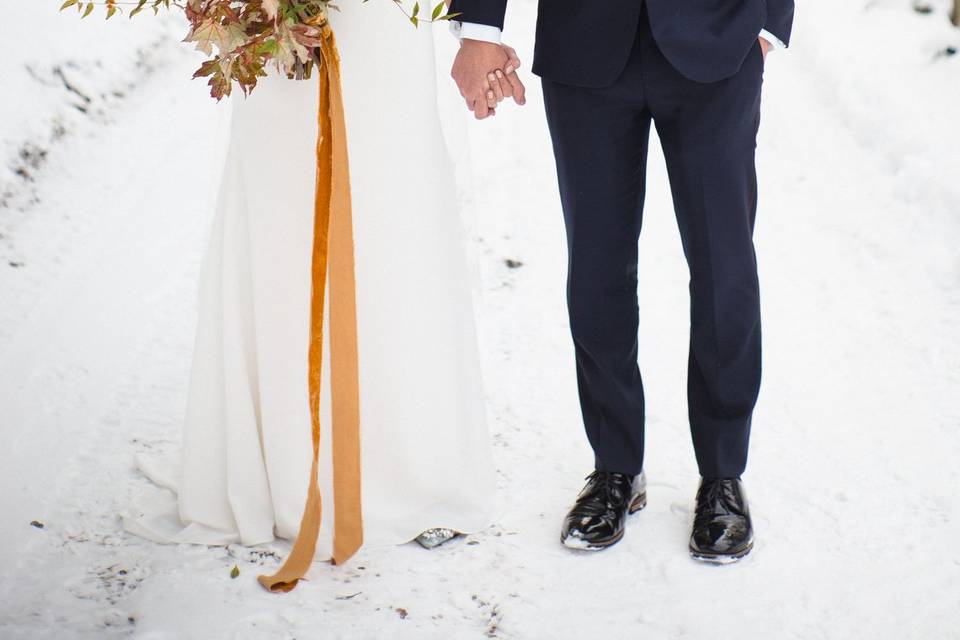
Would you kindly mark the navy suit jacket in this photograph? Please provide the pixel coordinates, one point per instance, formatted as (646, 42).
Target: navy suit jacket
(587, 43)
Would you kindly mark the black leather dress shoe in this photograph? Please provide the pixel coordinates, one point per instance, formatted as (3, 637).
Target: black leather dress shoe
(596, 521)
(722, 531)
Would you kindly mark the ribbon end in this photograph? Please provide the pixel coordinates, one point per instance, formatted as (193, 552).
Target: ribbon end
(273, 585)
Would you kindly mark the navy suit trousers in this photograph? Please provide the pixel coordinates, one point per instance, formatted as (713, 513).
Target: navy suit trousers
(708, 134)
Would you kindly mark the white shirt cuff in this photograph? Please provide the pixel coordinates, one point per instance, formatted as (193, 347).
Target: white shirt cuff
(474, 31)
(772, 39)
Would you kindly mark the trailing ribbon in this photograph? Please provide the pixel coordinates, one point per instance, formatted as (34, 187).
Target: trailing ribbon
(333, 254)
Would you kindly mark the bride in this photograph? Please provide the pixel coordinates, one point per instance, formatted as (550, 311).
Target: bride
(426, 466)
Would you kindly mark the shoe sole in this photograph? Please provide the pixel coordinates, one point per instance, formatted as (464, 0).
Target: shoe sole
(721, 558)
(637, 504)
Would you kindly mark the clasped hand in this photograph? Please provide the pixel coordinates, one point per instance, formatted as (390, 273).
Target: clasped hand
(486, 74)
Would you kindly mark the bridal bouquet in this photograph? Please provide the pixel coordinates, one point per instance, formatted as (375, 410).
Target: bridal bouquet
(241, 37)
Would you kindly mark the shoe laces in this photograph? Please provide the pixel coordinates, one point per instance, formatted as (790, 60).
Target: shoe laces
(718, 499)
(604, 489)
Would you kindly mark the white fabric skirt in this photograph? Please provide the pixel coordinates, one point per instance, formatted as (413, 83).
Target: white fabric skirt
(242, 474)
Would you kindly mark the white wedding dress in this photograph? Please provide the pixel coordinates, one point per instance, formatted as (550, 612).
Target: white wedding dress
(242, 474)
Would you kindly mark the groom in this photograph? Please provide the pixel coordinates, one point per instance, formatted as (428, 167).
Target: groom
(694, 68)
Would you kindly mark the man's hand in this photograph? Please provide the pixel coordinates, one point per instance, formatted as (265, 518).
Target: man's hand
(486, 73)
(765, 46)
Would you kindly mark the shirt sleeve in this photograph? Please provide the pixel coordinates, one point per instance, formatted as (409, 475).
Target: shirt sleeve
(772, 39)
(474, 31)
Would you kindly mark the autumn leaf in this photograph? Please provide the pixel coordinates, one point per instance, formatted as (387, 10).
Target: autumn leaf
(68, 3)
(221, 88)
(209, 67)
(267, 47)
(270, 8)
(307, 36)
(289, 49)
(211, 34)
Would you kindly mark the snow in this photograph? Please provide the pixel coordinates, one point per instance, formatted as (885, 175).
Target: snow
(852, 478)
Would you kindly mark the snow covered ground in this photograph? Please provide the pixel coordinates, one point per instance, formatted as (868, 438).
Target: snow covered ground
(853, 477)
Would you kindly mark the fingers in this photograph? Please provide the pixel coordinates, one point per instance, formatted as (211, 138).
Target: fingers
(483, 97)
(517, 89)
(513, 60)
(474, 99)
(494, 86)
(481, 109)
(506, 90)
(484, 100)
(481, 101)
(494, 94)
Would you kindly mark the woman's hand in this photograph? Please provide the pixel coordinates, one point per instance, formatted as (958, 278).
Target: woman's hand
(505, 83)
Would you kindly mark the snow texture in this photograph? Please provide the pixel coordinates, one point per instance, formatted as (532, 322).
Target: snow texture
(853, 476)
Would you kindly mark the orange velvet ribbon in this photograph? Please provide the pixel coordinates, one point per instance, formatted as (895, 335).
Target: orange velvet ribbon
(333, 253)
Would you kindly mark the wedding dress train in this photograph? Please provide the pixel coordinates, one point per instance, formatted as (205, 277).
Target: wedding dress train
(242, 474)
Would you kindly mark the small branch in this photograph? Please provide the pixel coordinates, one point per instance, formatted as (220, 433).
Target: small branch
(110, 3)
(415, 18)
